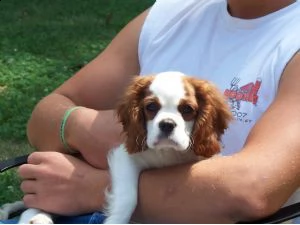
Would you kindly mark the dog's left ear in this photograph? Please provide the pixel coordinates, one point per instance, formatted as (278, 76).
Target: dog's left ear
(131, 115)
(212, 120)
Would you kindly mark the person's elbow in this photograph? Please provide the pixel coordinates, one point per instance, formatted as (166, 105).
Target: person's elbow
(255, 202)
(256, 207)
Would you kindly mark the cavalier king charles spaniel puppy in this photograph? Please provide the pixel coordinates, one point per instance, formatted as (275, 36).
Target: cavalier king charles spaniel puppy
(167, 119)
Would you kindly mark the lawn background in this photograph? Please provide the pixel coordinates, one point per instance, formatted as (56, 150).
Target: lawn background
(43, 43)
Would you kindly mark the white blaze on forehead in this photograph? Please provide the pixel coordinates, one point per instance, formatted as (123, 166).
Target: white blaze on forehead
(168, 87)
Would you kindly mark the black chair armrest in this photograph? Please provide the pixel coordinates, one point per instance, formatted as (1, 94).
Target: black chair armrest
(14, 162)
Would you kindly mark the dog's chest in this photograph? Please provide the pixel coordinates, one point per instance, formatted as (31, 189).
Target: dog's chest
(163, 158)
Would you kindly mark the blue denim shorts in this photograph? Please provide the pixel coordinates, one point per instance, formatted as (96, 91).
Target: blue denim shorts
(93, 218)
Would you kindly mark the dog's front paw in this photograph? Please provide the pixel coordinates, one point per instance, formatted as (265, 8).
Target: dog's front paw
(42, 218)
(35, 216)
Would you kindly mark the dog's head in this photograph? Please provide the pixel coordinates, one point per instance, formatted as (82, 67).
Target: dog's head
(173, 111)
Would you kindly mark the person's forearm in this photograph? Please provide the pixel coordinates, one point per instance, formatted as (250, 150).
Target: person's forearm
(83, 131)
(212, 191)
(44, 124)
(94, 133)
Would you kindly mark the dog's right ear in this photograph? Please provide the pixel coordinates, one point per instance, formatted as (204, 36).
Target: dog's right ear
(131, 114)
(213, 118)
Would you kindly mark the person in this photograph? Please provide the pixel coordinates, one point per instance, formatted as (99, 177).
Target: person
(248, 48)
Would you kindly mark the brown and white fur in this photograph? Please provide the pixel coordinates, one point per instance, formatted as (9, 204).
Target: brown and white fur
(168, 119)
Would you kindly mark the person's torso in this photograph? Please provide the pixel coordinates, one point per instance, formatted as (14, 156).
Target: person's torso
(244, 58)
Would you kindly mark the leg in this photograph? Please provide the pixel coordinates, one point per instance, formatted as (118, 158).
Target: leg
(122, 199)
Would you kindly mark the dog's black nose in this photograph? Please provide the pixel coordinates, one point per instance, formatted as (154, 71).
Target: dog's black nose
(167, 126)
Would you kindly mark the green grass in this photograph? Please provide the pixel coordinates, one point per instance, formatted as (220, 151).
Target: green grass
(13, 148)
(9, 183)
(42, 43)
(9, 180)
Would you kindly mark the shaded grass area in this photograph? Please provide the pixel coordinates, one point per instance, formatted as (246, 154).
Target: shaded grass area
(43, 43)
(10, 149)
(9, 180)
(9, 187)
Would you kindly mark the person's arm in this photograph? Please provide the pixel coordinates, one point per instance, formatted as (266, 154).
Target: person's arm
(249, 185)
(93, 129)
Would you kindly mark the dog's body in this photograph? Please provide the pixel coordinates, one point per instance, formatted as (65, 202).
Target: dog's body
(167, 119)
(125, 169)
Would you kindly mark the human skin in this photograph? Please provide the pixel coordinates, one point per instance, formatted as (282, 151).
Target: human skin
(241, 187)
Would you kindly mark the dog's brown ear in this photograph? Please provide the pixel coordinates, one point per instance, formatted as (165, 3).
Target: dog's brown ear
(131, 114)
(212, 119)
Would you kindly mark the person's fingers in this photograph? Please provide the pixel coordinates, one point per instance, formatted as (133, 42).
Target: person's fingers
(28, 171)
(31, 200)
(35, 158)
(29, 186)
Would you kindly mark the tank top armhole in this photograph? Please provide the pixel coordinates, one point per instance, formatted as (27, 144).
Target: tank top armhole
(286, 57)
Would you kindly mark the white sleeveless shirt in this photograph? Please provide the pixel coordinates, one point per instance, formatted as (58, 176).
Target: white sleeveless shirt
(244, 58)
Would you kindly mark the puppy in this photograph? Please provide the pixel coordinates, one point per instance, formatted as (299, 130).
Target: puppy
(167, 119)
(35, 216)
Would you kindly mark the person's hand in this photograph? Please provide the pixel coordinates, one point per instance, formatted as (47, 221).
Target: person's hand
(62, 184)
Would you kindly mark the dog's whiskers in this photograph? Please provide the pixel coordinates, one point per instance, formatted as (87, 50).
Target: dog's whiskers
(137, 140)
(141, 143)
(191, 144)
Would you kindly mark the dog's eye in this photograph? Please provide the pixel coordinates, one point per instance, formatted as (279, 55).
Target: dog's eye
(152, 107)
(186, 109)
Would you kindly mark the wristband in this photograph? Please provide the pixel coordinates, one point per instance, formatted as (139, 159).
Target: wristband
(63, 125)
